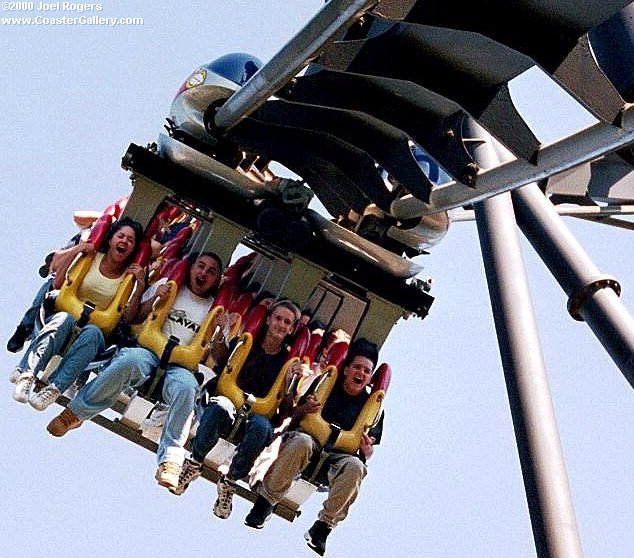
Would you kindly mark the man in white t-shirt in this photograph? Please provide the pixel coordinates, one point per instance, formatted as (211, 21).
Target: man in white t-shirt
(133, 366)
(189, 308)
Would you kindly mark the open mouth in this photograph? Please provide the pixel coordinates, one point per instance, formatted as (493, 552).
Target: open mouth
(358, 380)
(121, 249)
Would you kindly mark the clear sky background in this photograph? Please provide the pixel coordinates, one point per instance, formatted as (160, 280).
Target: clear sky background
(445, 482)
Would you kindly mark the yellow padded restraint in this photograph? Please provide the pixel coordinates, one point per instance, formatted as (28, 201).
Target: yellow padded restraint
(188, 356)
(68, 301)
(228, 384)
(347, 441)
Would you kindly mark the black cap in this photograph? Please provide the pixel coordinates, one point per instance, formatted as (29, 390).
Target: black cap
(44, 268)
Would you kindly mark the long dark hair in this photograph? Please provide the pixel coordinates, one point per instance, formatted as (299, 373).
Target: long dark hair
(117, 225)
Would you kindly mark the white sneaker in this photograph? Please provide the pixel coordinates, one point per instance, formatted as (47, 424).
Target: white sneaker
(15, 375)
(71, 392)
(190, 472)
(45, 397)
(223, 505)
(23, 387)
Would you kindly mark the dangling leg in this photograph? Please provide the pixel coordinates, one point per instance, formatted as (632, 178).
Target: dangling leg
(215, 421)
(345, 475)
(258, 434)
(180, 390)
(130, 367)
(48, 342)
(83, 350)
(88, 344)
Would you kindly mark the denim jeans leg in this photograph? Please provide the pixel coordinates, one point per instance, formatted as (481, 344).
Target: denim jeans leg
(30, 320)
(258, 434)
(83, 350)
(215, 421)
(130, 367)
(48, 342)
(180, 390)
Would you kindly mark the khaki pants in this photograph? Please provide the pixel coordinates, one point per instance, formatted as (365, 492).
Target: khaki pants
(345, 474)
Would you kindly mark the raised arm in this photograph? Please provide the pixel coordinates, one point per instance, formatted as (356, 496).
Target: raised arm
(134, 304)
(145, 307)
(63, 258)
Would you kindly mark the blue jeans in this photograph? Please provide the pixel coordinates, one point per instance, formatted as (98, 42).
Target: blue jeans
(50, 341)
(216, 421)
(130, 368)
(30, 319)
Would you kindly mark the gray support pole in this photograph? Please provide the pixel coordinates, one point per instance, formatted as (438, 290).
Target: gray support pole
(593, 297)
(543, 469)
(292, 58)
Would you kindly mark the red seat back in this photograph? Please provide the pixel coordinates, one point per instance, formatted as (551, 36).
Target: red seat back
(178, 272)
(382, 377)
(301, 340)
(255, 320)
(235, 270)
(99, 230)
(337, 354)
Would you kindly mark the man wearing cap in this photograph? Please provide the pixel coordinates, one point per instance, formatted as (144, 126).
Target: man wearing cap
(344, 471)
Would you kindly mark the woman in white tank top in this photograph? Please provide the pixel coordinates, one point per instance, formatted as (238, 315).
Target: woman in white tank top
(99, 287)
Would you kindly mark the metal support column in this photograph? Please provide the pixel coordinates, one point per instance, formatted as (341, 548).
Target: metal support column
(543, 469)
(593, 297)
(292, 58)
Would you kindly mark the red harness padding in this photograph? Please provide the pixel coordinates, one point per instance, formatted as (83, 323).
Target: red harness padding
(301, 340)
(348, 441)
(238, 309)
(115, 209)
(255, 320)
(224, 296)
(173, 248)
(239, 302)
(152, 337)
(312, 349)
(153, 228)
(68, 300)
(337, 354)
(235, 271)
(170, 253)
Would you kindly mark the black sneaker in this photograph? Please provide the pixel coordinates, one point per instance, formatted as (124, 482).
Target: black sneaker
(16, 342)
(316, 537)
(259, 514)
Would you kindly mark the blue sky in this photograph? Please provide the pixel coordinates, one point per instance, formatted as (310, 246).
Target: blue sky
(445, 482)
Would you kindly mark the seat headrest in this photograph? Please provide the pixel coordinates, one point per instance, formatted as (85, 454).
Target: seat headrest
(255, 320)
(337, 354)
(301, 340)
